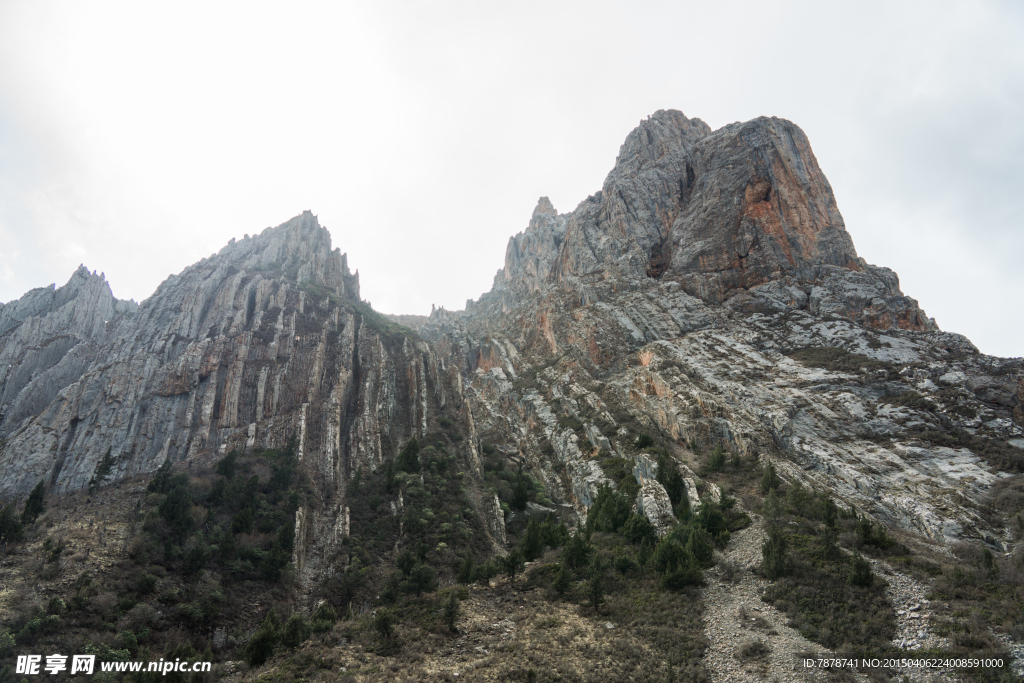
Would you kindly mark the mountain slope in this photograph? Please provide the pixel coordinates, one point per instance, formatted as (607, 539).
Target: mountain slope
(694, 339)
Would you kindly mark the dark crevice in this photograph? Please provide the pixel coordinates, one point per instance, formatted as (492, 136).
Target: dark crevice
(220, 381)
(62, 454)
(351, 405)
(250, 306)
(661, 256)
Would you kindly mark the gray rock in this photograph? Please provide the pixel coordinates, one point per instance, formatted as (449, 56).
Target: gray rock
(666, 302)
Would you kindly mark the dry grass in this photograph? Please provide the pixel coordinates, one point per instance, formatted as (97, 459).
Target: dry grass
(504, 636)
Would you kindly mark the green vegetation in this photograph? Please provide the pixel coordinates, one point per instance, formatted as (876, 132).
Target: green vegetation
(670, 478)
(240, 523)
(776, 560)
(451, 612)
(643, 441)
(997, 453)
(716, 461)
(10, 524)
(829, 596)
(205, 542)
(614, 568)
(769, 479)
(911, 399)
(261, 646)
(838, 360)
(834, 598)
(515, 488)
(35, 505)
(620, 471)
(103, 468)
(439, 536)
(391, 331)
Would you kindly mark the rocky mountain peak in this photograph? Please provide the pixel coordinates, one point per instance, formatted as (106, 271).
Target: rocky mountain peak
(666, 133)
(49, 335)
(691, 363)
(741, 213)
(300, 248)
(544, 208)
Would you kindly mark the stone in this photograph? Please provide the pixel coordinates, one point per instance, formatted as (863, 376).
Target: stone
(653, 502)
(670, 302)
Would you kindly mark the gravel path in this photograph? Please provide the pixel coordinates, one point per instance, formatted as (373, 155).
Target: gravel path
(735, 617)
(913, 620)
(736, 620)
(1016, 651)
(913, 610)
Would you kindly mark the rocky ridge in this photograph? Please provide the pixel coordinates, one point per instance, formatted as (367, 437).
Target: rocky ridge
(708, 294)
(49, 336)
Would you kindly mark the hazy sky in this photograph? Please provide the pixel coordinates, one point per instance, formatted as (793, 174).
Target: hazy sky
(137, 139)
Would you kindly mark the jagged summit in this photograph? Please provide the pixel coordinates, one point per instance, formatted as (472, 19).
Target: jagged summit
(66, 346)
(82, 283)
(300, 248)
(743, 211)
(47, 338)
(697, 333)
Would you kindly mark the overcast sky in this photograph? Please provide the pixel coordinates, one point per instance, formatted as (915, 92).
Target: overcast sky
(137, 139)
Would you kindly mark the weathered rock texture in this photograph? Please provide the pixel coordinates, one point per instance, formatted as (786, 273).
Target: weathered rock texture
(264, 340)
(742, 210)
(49, 336)
(671, 300)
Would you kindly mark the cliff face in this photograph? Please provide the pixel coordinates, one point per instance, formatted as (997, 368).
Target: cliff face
(744, 212)
(710, 293)
(47, 339)
(264, 340)
(677, 300)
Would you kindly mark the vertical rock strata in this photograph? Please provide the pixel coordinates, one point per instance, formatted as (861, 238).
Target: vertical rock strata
(264, 340)
(672, 300)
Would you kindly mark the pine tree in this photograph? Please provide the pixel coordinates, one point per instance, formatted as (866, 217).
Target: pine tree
(161, 480)
(102, 471)
(520, 491)
(776, 563)
(770, 479)
(296, 631)
(512, 564)
(261, 647)
(176, 509)
(533, 543)
(827, 543)
(595, 587)
(466, 569)
(384, 623)
(575, 552)
(450, 612)
(409, 458)
(860, 571)
(10, 525)
(772, 506)
(35, 505)
(563, 582)
(670, 478)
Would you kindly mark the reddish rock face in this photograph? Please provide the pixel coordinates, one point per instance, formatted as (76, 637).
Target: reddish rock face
(761, 208)
(719, 212)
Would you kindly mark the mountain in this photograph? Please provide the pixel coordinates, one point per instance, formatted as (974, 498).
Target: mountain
(698, 338)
